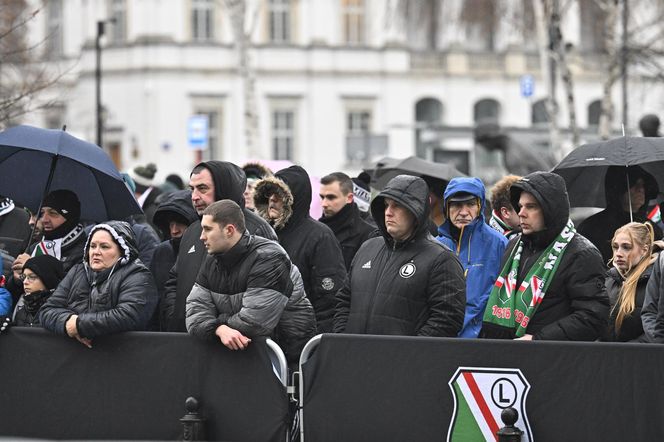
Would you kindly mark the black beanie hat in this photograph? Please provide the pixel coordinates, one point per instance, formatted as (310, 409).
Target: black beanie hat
(48, 268)
(66, 203)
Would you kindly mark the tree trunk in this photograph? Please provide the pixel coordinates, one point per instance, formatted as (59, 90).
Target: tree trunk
(242, 37)
(546, 65)
(613, 67)
(565, 73)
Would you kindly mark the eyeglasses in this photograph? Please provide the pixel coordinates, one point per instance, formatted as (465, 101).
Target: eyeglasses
(31, 277)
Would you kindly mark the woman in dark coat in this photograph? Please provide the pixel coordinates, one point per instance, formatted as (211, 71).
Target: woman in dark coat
(626, 281)
(110, 292)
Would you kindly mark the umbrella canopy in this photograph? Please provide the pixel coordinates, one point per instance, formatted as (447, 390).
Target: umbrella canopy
(388, 168)
(584, 169)
(34, 161)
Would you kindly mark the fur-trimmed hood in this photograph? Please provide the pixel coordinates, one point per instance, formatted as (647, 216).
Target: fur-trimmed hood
(262, 192)
(256, 170)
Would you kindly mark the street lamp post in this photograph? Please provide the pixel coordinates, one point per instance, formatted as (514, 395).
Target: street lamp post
(98, 106)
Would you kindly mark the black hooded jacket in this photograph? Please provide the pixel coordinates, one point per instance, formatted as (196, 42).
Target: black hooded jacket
(600, 228)
(114, 300)
(576, 306)
(175, 205)
(229, 183)
(311, 245)
(413, 287)
(350, 229)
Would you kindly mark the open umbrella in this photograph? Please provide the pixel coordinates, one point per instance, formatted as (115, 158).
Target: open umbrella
(388, 168)
(585, 167)
(34, 161)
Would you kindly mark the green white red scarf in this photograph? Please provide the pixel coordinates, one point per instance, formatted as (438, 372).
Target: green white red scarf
(512, 307)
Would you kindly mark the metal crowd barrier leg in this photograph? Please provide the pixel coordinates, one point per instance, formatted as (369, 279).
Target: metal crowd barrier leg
(307, 351)
(280, 368)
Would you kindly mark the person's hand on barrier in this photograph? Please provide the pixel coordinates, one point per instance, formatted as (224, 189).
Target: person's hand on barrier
(17, 265)
(232, 338)
(72, 331)
(5, 323)
(524, 338)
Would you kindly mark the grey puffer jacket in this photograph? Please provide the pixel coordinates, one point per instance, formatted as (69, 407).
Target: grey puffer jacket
(254, 289)
(114, 300)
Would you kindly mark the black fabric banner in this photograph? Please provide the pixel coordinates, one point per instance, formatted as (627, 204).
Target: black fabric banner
(134, 386)
(401, 388)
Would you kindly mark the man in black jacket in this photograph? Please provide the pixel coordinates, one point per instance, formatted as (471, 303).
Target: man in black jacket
(284, 201)
(573, 305)
(209, 182)
(404, 282)
(342, 215)
(246, 287)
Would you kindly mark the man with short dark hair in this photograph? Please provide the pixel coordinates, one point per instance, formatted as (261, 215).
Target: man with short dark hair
(405, 282)
(503, 216)
(342, 215)
(551, 286)
(209, 182)
(247, 287)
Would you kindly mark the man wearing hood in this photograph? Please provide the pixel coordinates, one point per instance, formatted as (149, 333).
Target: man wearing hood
(209, 182)
(599, 228)
(551, 283)
(174, 214)
(342, 215)
(478, 246)
(284, 201)
(404, 282)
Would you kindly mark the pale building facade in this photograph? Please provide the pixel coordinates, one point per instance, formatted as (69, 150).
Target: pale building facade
(338, 83)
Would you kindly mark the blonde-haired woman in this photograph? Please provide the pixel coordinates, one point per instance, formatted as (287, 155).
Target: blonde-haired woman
(632, 262)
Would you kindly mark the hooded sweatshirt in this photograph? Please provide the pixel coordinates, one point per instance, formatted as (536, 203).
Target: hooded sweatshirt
(575, 306)
(311, 245)
(117, 299)
(479, 248)
(229, 183)
(413, 287)
(176, 205)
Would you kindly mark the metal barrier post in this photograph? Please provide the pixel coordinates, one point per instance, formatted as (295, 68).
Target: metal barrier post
(307, 351)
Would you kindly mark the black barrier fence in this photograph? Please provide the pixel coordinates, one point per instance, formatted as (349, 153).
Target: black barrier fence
(134, 386)
(378, 388)
(372, 388)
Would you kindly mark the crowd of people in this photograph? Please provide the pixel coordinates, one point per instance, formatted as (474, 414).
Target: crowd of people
(237, 256)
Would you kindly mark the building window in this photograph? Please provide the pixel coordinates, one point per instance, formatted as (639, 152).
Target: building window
(118, 27)
(283, 134)
(486, 110)
(540, 114)
(594, 111)
(358, 122)
(54, 28)
(353, 21)
(280, 21)
(214, 114)
(202, 20)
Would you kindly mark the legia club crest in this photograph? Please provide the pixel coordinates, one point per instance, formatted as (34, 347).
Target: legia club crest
(480, 395)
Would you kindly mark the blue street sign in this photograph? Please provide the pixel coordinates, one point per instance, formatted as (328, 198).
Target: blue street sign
(197, 132)
(527, 83)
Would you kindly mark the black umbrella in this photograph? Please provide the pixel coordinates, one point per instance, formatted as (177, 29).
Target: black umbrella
(34, 161)
(388, 168)
(584, 169)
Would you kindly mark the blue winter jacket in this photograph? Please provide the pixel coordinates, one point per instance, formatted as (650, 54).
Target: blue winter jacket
(479, 249)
